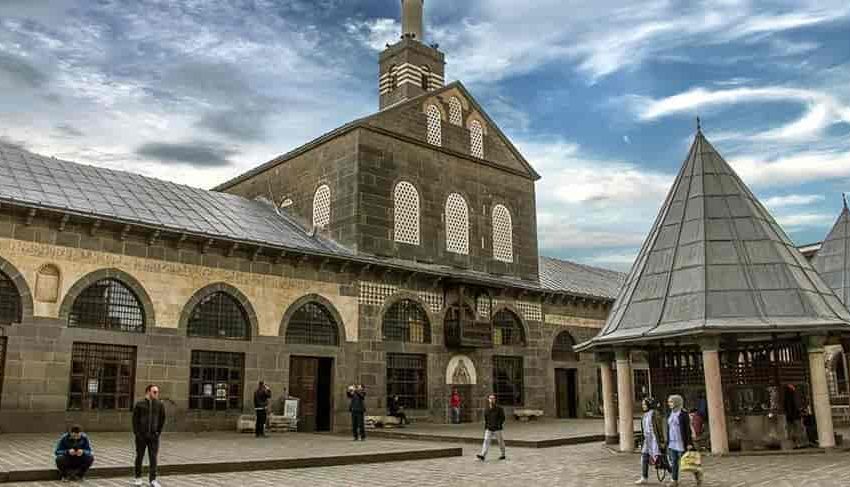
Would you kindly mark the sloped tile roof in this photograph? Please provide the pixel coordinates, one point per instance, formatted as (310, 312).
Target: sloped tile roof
(562, 275)
(833, 259)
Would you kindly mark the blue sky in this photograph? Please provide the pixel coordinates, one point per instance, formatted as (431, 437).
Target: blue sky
(600, 96)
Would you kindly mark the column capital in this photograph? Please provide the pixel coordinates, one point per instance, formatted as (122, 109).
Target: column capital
(623, 354)
(815, 343)
(603, 357)
(710, 344)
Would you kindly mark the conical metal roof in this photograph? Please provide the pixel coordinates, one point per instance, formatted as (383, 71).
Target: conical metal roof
(833, 259)
(716, 262)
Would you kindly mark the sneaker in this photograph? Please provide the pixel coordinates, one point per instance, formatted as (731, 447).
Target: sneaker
(502, 457)
(480, 457)
(155, 483)
(641, 481)
(137, 482)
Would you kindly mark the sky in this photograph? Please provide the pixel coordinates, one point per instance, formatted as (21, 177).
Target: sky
(601, 97)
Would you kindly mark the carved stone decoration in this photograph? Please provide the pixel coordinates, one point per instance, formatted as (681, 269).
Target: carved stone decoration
(47, 284)
(461, 371)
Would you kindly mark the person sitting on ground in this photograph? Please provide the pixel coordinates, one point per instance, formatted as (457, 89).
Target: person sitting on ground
(396, 410)
(73, 454)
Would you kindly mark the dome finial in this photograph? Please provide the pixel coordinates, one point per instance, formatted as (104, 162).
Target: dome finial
(844, 197)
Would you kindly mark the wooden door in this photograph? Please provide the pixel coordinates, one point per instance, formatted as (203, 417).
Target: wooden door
(566, 393)
(303, 379)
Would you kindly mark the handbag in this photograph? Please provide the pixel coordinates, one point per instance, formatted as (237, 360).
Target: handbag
(691, 462)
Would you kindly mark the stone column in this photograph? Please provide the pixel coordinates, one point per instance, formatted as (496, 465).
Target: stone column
(820, 393)
(625, 395)
(609, 406)
(714, 396)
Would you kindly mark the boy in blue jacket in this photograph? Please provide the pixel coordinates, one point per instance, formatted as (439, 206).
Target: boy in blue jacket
(73, 454)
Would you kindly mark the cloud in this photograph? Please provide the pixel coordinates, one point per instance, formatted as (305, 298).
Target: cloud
(796, 220)
(804, 167)
(792, 200)
(198, 154)
(238, 123)
(20, 72)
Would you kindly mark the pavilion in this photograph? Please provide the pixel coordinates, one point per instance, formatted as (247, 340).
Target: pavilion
(721, 303)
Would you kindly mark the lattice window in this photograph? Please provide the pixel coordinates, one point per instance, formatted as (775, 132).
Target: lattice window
(503, 234)
(531, 311)
(10, 301)
(312, 324)
(375, 293)
(508, 380)
(677, 371)
(406, 213)
(407, 377)
(432, 299)
(216, 380)
(435, 126)
(457, 225)
(102, 377)
(406, 321)
(220, 315)
(455, 112)
(483, 305)
(507, 329)
(108, 304)
(476, 139)
(322, 207)
(562, 349)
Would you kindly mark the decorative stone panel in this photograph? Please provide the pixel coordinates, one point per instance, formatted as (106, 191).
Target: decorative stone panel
(457, 225)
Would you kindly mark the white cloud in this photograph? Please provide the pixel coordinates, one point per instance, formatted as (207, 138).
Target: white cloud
(793, 169)
(796, 220)
(792, 200)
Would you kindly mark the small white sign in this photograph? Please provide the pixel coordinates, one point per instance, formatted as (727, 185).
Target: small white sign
(93, 386)
(208, 390)
(290, 409)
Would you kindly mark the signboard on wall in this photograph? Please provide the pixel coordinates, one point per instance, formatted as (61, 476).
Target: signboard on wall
(221, 391)
(290, 409)
(208, 390)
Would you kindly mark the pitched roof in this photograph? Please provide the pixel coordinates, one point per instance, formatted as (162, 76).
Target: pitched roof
(833, 259)
(560, 275)
(717, 262)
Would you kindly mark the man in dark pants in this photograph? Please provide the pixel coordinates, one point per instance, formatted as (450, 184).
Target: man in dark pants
(494, 422)
(261, 404)
(148, 420)
(73, 454)
(358, 411)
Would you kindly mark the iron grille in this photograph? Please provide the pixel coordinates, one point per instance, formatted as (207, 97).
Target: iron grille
(508, 380)
(216, 380)
(10, 301)
(108, 304)
(507, 329)
(219, 315)
(102, 377)
(677, 371)
(562, 350)
(406, 321)
(312, 324)
(754, 375)
(407, 377)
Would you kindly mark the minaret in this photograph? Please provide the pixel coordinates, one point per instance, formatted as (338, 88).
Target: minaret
(410, 67)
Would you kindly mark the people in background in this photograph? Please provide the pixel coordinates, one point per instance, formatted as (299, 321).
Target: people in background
(455, 403)
(74, 454)
(792, 406)
(261, 407)
(654, 438)
(494, 422)
(396, 409)
(357, 407)
(148, 421)
(679, 438)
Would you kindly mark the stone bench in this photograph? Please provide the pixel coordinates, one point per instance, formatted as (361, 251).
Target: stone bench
(382, 421)
(527, 414)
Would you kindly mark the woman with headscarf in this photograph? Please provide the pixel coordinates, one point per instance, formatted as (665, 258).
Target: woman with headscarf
(654, 439)
(679, 438)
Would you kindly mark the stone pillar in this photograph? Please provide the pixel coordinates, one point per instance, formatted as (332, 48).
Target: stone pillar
(820, 393)
(609, 406)
(714, 396)
(625, 395)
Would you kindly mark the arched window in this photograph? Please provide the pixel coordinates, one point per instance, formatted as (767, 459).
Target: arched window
(435, 126)
(220, 315)
(507, 329)
(108, 304)
(503, 234)
(10, 301)
(425, 78)
(562, 349)
(457, 225)
(312, 324)
(455, 112)
(476, 139)
(406, 321)
(322, 206)
(406, 214)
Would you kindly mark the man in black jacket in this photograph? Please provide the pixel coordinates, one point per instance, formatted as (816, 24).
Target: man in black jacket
(358, 411)
(148, 420)
(494, 421)
(261, 404)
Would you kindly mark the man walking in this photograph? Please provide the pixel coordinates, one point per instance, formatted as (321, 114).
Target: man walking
(148, 420)
(358, 411)
(73, 454)
(494, 421)
(261, 404)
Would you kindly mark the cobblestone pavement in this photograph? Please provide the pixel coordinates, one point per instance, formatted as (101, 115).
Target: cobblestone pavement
(580, 466)
(536, 430)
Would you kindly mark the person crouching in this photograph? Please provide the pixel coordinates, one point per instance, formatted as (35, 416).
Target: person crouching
(74, 455)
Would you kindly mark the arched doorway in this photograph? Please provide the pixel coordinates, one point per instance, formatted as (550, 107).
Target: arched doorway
(462, 376)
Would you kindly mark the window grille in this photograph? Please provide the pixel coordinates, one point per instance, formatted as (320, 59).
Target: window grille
(108, 304)
(322, 207)
(425, 80)
(476, 139)
(407, 376)
(455, 112)
(483, 305)
(102, 377)
(10, 301)
(312, 324)
(435, 126)
(457, 225)
(406, 321)
(219, 315)
(677, 370)
(503, 240)
(216, 380)
(406, 213)
(508, 380)
(562, 349)
(507, 329)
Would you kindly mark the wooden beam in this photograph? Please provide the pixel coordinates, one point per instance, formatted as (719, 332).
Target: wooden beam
(30, 216)
(94, 226)
(324, 264)
(256, 254)
(344, 267)
(124, 232)
(153, 238)
(205, 247)
(363, 270)
(232, 249)
(279, 257)
(409, 280)
(64, 221)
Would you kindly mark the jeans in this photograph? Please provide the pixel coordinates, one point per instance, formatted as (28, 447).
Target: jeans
(358, 425)
(151, 443)
(488, 437)
(455, 415)
(675, 456)
(260, 426)
(644, 466)
(70, 465)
